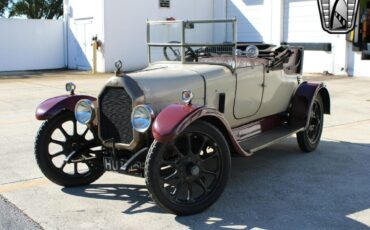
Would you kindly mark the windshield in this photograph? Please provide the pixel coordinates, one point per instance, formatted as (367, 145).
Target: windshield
(190, 41)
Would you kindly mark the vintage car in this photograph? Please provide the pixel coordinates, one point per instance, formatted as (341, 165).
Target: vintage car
(203, 99)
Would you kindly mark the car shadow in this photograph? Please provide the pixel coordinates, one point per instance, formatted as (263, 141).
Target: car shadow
(277, 188)
(136, 196)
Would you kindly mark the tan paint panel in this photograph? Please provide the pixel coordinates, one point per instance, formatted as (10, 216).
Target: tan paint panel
(164, 86)
(249, 91)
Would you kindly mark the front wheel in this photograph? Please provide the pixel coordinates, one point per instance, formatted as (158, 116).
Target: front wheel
(188, 175)
(309, 139)
(56, 140)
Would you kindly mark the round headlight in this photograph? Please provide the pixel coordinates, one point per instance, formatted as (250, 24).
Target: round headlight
(84, 111)
(141, 118)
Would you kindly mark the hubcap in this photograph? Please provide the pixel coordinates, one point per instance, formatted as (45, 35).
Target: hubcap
(195, 170)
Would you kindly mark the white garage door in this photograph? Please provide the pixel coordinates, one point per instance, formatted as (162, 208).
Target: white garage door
(302, 22)
(254, 19)
(302, 25)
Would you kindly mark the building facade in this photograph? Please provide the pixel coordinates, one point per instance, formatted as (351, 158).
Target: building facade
(120, 26)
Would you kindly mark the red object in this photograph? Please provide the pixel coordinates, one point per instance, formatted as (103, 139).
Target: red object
(175, 118)
(303, 100)
(55, 105)
(166, 123)
(171, 19)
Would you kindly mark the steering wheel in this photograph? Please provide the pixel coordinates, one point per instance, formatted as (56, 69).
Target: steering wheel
(172, 53)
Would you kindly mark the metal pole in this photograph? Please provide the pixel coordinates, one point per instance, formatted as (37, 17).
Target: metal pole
(148, 41)
(95, 48)
(183, 42)
(235, 34)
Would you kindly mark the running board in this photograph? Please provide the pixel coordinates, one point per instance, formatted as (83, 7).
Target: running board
(265, 139)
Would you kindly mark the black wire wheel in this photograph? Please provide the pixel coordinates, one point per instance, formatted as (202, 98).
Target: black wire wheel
(188, 175)
(309, 139)
(67, 152)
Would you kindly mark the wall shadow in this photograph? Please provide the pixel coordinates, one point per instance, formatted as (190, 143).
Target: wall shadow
(247, 32)
(278, 188)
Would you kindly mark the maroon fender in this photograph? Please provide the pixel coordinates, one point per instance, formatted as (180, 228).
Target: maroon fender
(165, 126)
(176, 118)
(303, 101)
(55, 105)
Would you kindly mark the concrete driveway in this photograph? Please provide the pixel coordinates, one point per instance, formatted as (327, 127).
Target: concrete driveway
(278, 188)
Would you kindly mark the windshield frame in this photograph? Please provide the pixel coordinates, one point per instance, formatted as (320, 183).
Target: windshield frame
(183, 44)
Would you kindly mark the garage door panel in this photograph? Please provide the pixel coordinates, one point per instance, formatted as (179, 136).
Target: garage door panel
(302, 22)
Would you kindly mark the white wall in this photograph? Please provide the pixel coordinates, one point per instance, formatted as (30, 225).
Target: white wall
(125, 27)
(254, 19)
(31, 44)
(356, 66)
(84, 19)
(302, 25)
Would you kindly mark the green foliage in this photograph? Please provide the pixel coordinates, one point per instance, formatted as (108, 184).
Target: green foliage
(3, 6)
(34, 9)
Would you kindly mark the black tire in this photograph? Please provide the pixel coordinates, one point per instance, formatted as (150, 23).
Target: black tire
(188, 175)
(44, 158)
(309, 139)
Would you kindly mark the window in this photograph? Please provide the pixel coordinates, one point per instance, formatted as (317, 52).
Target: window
(164, 3)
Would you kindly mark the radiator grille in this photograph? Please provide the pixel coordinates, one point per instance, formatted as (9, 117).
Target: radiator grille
(115, 115)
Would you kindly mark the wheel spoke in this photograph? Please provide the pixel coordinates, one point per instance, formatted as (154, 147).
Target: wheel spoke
(169, 163)
(209, 172)
(188, 144)
(89, 165)
(63, 165)
(85, 132)
(74, 128)
(201, 183)
(170, 177)
(57, 142)
(75, 167)
(176, 190)
(177, 151)
(64, 132)
(95, 151)
(57, 154)
(213, 156)
(190, 192)
(205, 139)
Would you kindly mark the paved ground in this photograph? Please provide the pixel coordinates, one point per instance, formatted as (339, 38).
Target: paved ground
(278, 188)
(13, 218)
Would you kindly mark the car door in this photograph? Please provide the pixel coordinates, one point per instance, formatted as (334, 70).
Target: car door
(249, 91)
(278, 91)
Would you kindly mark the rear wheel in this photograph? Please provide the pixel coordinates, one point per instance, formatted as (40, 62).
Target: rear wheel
(309, 139)
(188, 175)
(56, 140)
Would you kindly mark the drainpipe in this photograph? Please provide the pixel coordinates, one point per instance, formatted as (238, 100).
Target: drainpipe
(65, 31)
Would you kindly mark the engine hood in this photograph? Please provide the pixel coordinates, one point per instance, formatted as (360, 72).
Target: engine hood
(162, 85)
